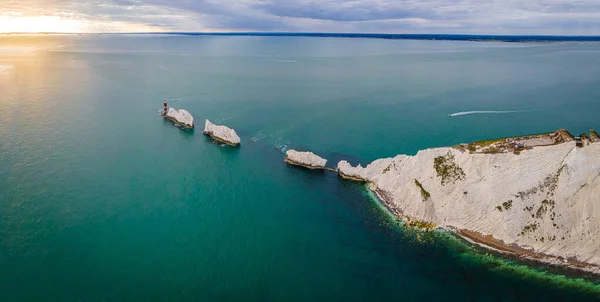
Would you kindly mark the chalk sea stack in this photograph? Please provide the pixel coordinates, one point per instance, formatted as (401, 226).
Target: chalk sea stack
(180, 117)
(221, 133)
(305, 159)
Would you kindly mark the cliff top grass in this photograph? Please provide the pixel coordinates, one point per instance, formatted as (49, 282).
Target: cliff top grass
(488, 142)
(497, 145)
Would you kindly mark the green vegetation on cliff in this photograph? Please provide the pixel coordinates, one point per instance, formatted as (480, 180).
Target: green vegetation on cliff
(447, 169)
(424, 194)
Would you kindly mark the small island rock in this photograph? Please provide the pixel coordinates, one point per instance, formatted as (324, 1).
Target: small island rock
(220, 133)
(181, 117)
(305, 159)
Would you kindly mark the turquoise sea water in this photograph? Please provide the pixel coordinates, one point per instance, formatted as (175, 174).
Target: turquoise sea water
(102, 200)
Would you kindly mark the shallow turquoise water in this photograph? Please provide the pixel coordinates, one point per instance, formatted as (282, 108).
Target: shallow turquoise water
(101, 199)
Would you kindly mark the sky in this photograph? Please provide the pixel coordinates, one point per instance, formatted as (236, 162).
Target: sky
(558, 17)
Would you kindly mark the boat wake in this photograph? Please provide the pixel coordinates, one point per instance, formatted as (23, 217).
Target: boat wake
(490, 112)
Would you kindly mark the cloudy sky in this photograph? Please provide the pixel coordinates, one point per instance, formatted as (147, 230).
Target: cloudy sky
(570, 17)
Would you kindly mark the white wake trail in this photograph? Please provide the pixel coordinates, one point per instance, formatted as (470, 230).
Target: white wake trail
(490, 112)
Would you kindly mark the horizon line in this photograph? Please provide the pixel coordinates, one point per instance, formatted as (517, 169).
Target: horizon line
(423, 36)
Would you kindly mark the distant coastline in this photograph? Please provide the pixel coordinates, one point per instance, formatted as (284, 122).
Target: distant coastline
(441, 37)
(438, 37)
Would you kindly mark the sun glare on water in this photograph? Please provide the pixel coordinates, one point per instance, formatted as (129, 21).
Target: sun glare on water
(11, 24)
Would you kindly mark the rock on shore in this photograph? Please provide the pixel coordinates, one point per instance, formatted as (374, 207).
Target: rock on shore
(220, 133)
(543, 203)
(594, 137)
(181, 117)
(305, 159)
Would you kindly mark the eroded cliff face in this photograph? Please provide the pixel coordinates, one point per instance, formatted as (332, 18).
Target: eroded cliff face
(545, 200)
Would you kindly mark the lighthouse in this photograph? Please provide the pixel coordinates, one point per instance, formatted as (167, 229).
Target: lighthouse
(165, 108)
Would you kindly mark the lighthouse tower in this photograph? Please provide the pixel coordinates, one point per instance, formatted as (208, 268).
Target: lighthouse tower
(165, 108)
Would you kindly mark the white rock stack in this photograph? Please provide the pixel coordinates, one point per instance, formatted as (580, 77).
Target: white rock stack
(305, 159)
(180, 117)
(543, 203)
(222, 134)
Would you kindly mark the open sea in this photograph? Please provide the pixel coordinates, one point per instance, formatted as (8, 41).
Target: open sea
(103, 200)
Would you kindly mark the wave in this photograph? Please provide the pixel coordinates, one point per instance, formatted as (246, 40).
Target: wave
(163, 67)
(490, 112)
(258, 136)
(282, 147)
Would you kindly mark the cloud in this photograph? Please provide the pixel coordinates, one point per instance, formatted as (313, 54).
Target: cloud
(390, 16)
(349, 11)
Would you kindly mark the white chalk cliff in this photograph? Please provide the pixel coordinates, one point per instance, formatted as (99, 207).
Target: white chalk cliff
(305, 159)
(181, 117)
(221, 133)
(543, 202)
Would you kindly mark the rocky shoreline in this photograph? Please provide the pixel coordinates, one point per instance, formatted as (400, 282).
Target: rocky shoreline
(493, 244)
(484, 241)
(489, 242)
